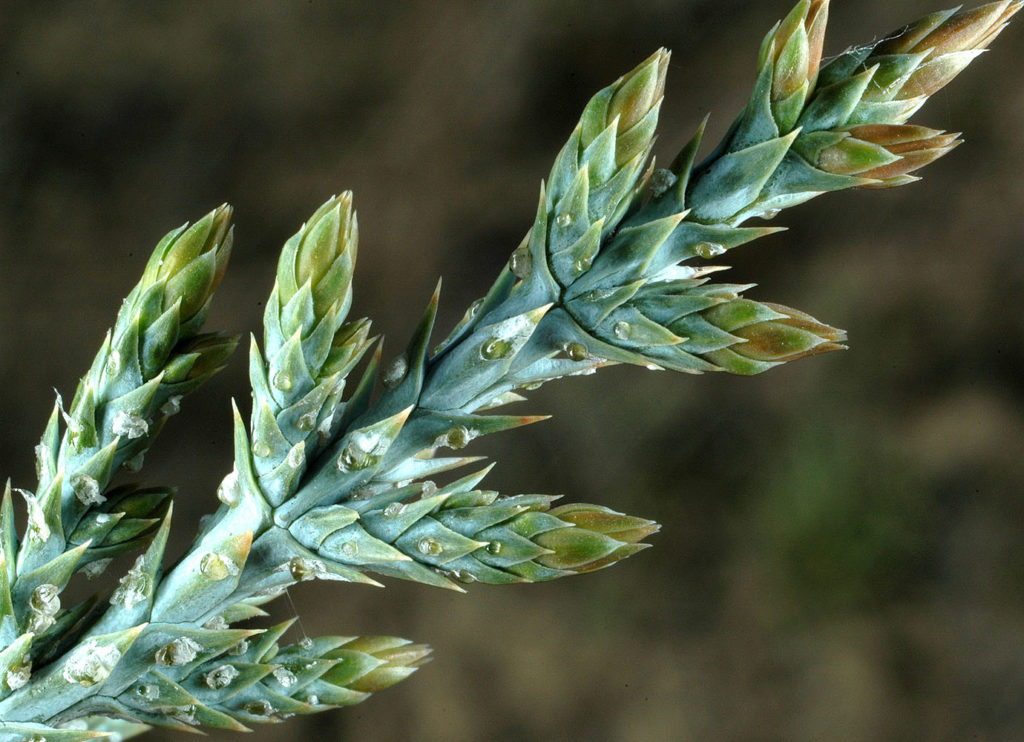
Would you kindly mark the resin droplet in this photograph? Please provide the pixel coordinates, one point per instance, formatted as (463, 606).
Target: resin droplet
(302, 569)
(429, 547)
(215, 623)
(217, 567)
(147, 691)
(43, 605)
(221, 677)
(459, 437)
(91, 664)
(521, 262)
(282, 381)
(563, 220)
(37, 524)
(18, 676)
(261, 449)
(495, 349)
(132, 588)
(129, 426)
(172, 406)
(87, 489)
(230, 491)
(350, 549)
(297, 455)
(306, 422)
(185, 714)
(179, 652)
(364, 449)
(306, 643)
(583, 264)
(313, 700)
(429, 488)
(622, 330)
(395, 372)
(770, 214)
(394, 509)
(494, 547)
(708, 250)
(324, 428)
(285, 677)
(575, 351)
(661, 180)
(114, 362)
(43, 458)
(241, 648)
(258, 708)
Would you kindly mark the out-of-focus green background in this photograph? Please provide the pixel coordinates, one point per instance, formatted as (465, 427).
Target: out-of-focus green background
(842, 550)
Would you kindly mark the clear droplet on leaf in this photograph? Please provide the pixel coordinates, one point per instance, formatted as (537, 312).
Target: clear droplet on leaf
(283, 381)
(217, 567)
(229, 491)
(459, 437)
(172, 406)
(221, 677)
(395, 372)
(87, 489)
(215, 623)
(285, 677)
(90, 664)
(186, 714)
(576, 351)
(128, 425)
(495, 349)
(563, 220)
(521, 262)
(708, 250)
(43, 603)
(661, 180)
(179, 652)
(393, 509)
(302, 569)
(18, 676)
(622, 330)
(131, 589)
(258, 708)
(297, 455)
(429, 547)
(147, 691)
(306, 422)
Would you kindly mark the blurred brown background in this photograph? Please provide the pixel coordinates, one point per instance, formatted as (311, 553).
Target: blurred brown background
(841, 556)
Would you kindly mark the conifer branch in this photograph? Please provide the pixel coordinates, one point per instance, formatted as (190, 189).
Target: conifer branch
(336, 486)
